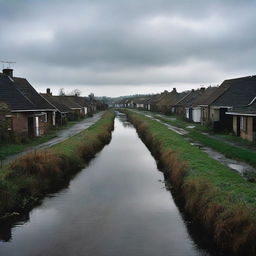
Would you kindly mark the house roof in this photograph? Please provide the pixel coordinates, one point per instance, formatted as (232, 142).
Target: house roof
(69, 102)
(82, 101)
(18, 97)
(206, 96)
(190, 99)
(154, 99)
(236, 92)
(34, 97)
(13, 97)
(140, 100)
(170, 98)
(249, 110)
(54, 100)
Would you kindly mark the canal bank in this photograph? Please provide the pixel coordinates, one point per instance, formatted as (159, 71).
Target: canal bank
(220, 200)
(25, 181)
(118, 205)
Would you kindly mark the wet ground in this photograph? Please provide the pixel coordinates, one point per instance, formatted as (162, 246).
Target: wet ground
(118, 205)
(61, 136)
(246, 170)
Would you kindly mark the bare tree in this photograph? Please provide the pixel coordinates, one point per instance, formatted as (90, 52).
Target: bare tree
(61, 92)
(75, 92)
(91, 96)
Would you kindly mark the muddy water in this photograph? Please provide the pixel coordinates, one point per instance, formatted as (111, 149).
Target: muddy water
(117, 206)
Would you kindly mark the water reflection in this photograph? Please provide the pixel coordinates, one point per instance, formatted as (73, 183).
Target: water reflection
(118, 205)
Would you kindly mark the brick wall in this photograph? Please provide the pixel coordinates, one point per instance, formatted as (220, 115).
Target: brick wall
(247, 133)
(20, 123)
(235, 125)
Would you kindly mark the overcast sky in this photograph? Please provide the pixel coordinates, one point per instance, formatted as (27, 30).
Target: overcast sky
(120, 47)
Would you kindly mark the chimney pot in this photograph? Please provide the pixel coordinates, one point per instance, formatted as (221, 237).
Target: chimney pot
(48, 91)
(8, 72)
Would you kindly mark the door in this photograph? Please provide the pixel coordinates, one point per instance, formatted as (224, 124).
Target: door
(31, 126)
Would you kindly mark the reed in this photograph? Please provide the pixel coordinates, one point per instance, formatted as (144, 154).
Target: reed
(30, 177)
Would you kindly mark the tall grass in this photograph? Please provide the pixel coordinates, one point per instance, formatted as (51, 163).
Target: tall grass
(30, 177)
(213, 195)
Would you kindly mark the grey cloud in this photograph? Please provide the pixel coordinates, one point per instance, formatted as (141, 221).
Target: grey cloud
(129, 42)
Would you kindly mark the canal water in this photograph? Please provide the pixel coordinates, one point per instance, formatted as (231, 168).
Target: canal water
(118, 205)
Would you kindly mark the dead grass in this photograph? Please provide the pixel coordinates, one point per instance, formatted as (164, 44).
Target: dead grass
(40, 163)
(30, 177)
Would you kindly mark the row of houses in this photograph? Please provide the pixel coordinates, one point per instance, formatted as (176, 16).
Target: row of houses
(228, 107)
(25, 112)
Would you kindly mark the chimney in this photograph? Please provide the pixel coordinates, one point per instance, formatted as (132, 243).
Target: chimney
(48, 91)
(202, 89)
(8, 72)
(174, 90)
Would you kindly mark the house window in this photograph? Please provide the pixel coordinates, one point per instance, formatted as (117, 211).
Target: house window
(243, 123)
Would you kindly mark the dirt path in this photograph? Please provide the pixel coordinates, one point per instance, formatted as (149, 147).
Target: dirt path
(243, 168)
(61, 136)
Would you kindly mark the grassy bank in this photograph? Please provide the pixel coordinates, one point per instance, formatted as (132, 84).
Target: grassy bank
(25, 181)
(213, 195)
(14, 148)
(230, 151)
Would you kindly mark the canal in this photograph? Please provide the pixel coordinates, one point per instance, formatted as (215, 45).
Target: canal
(118, 205)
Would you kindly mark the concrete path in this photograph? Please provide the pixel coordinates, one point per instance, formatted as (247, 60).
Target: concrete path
(61, 136)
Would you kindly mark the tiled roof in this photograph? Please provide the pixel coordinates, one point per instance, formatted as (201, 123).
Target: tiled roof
(237, 92)
(171, 98)
(69, 101)
(14, 96)
(54, 100)
(206, 96)
(247, 110)
(19, 95)
(83, 101)
(190, 99)
(34, 97)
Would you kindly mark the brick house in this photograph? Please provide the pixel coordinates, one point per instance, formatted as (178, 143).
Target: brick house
(168, 100)
(5, 122)
(231, 94)
(62, 110)
(185, 106)
(31, 114)
(244, 121)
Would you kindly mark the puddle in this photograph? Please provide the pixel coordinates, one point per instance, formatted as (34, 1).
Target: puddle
(246, 170)
(178, 130)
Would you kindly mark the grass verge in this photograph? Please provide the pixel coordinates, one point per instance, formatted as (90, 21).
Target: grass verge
(230, 151)
(28, 179)
(213, 195)
(14, 148)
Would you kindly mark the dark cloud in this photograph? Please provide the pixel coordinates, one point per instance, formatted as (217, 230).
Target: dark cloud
(128, 43)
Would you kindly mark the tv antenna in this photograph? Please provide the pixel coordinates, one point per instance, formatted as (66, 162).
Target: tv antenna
(7, 63)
